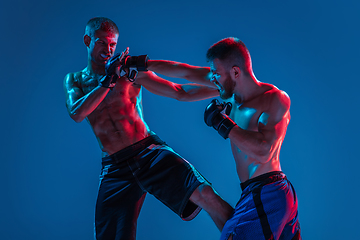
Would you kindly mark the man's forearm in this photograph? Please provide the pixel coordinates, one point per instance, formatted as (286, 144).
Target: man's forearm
(87, 104)
(252, 143)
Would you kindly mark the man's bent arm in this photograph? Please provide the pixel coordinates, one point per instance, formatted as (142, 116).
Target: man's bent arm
(173, 69)
(78, 105)
(261, 145)
(254, 144)
(182, 92)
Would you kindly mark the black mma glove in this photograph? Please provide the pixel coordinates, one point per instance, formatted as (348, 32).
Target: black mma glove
(134, 64)
(111, 67)
(219, 121)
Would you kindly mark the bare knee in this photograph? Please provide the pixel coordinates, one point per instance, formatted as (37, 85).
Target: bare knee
(207, 198)
(207, 192)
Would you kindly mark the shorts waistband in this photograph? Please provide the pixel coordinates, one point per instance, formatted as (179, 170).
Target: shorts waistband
(264, 179)
(132, 150)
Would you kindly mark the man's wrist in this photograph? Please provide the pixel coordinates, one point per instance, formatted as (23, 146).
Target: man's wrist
(151, 64)
(108, 81)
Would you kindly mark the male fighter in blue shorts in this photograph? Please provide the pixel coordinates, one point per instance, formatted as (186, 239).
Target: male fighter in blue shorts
(135, 160)
(255, 116)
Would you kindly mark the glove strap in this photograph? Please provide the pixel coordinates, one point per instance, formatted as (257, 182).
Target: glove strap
(132, 74)
(107, 80)
(225, 127)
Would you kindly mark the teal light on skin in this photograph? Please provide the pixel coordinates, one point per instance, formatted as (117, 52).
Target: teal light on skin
(264, 118)
(243, 116)
(252, 168)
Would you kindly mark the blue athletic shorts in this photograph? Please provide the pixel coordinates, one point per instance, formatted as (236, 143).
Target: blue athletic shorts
(266, 210)
(146, 166)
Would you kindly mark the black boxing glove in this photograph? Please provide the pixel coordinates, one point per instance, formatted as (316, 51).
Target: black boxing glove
(111, 69)
(219, 121)
(135, 64)
(138, 62)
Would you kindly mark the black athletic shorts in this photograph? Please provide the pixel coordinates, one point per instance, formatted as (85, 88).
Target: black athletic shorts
(146, 166)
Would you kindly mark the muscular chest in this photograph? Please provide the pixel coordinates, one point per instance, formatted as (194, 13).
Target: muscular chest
(246, 116)
(124, 95)
(123, 92)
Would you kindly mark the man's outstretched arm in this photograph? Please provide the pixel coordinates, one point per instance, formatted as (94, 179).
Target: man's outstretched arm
(182, 92)
(173, 69)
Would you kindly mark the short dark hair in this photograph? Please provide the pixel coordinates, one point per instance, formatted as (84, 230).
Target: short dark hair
(100, 23)
(233, 52)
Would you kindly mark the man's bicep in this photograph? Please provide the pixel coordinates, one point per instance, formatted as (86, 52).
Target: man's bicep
(186, 71)
(273, 131)
(275, 120)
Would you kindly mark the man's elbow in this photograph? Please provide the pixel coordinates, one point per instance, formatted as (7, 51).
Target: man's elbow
(185, 97)
(181, 98)
(181, 95)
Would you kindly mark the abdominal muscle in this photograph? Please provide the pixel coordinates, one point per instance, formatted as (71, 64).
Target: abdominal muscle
(118, 124)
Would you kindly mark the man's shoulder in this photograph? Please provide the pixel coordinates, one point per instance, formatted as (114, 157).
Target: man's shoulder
(73, 78)
(276, 94)
(277, 101)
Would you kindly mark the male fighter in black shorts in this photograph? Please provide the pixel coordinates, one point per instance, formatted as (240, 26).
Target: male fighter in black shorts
(135, 160)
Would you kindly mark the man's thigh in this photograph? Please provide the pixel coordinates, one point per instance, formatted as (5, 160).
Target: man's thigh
(260, 214)
(117, 208)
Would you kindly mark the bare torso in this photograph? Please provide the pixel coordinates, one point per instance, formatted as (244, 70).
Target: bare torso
(117, 122)
(248, 116)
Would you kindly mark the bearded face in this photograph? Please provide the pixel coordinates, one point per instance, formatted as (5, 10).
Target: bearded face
(221, 78)
(227, 87)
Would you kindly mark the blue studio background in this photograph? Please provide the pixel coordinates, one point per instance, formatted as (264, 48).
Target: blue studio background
(50, 164)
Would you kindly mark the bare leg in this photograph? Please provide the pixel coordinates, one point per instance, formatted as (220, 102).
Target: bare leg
(219, 210)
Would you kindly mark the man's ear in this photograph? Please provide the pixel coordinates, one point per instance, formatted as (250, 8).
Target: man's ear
(87, 40)
(235, 72)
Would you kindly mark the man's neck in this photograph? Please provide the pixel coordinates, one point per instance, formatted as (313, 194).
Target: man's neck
(250, 89)
(95, 69)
